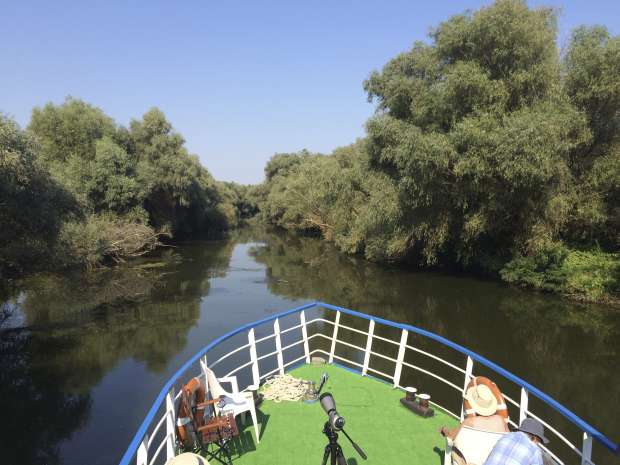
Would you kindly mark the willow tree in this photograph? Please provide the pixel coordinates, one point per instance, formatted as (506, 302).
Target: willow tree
(134, 185)
(144, 171)
(32, 205)
(592, 80)
(477, 133)
(68, 136)
(336, 196)
(179, 192)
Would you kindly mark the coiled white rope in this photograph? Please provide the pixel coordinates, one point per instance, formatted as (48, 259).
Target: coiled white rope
(287, 387)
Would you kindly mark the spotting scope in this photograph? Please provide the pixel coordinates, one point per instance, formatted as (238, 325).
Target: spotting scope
(335, 423)
(329, 405)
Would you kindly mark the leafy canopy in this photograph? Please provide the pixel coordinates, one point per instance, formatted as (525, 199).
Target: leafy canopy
(478, 136)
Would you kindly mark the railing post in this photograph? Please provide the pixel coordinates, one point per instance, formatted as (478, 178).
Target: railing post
(254, 358)
(170, 421)
(304, 334)
(371, 331)
(469, 368)
(276, 331)
(401, 356)
(203, 363)
(523, 405)
(332, 350)
(142, 456)
(203, 370)
(586, 451)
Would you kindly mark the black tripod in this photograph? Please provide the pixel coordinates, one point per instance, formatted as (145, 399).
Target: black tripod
(333, 449)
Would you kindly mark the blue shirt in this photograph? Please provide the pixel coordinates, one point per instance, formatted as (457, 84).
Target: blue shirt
(515, 449)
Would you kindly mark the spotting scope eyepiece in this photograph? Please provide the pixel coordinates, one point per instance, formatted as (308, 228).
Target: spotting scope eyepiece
(329, 405)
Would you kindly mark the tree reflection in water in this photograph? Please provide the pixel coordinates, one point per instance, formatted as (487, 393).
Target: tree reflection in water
(41, 413)
(74, 329)
(77, 327)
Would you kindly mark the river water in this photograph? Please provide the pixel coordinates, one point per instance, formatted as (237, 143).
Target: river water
(84, 355)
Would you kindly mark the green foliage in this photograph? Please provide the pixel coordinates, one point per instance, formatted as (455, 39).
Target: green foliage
(594, 274)
(68, 136)
(338, 197)
(477, 136)
(592, 80)
(590, 275)
(283, 163)
(543, 270)
(147, 166)
(125, 187)
(112, 184)
(32, 205)
(486, 146)
(513, 46)
(240, 199)
(114, 169)
(179, 192)
(591, 69)
(70, 130)
(596, 215)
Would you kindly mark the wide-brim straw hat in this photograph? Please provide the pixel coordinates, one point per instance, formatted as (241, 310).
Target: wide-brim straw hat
(482, 400)
(187, 458)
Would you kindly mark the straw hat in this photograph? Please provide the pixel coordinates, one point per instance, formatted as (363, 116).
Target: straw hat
(482, 400)
(187, 458)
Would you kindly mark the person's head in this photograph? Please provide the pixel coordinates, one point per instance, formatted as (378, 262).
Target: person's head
(535, 439)
(535, 430)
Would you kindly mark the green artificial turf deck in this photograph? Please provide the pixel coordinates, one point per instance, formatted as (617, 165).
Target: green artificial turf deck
(291, 432)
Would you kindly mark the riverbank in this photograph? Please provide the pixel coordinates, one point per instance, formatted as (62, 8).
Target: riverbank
(588, 276)
(580, 276)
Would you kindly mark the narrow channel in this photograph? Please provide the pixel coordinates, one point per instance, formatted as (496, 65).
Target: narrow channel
(84, 354)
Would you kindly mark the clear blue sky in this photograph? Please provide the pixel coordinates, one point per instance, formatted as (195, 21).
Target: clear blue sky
(239, 80)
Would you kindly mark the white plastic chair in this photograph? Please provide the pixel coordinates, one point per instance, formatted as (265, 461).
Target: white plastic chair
(474, 444)
(237, 403)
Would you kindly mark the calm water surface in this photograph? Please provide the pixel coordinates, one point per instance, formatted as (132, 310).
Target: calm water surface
(83, 356)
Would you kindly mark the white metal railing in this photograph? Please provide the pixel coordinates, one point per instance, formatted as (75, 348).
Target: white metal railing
(144, 441)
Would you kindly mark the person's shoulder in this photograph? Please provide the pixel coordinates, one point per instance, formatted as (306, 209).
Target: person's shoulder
(517, 437)
(514, 435)
(509, 438)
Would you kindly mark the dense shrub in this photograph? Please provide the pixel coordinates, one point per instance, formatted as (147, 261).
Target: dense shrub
(591, 275)
(105, 238)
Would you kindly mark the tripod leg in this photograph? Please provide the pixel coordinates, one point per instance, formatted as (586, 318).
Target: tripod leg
(339, 456)
(227, 454)
(325, 455)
